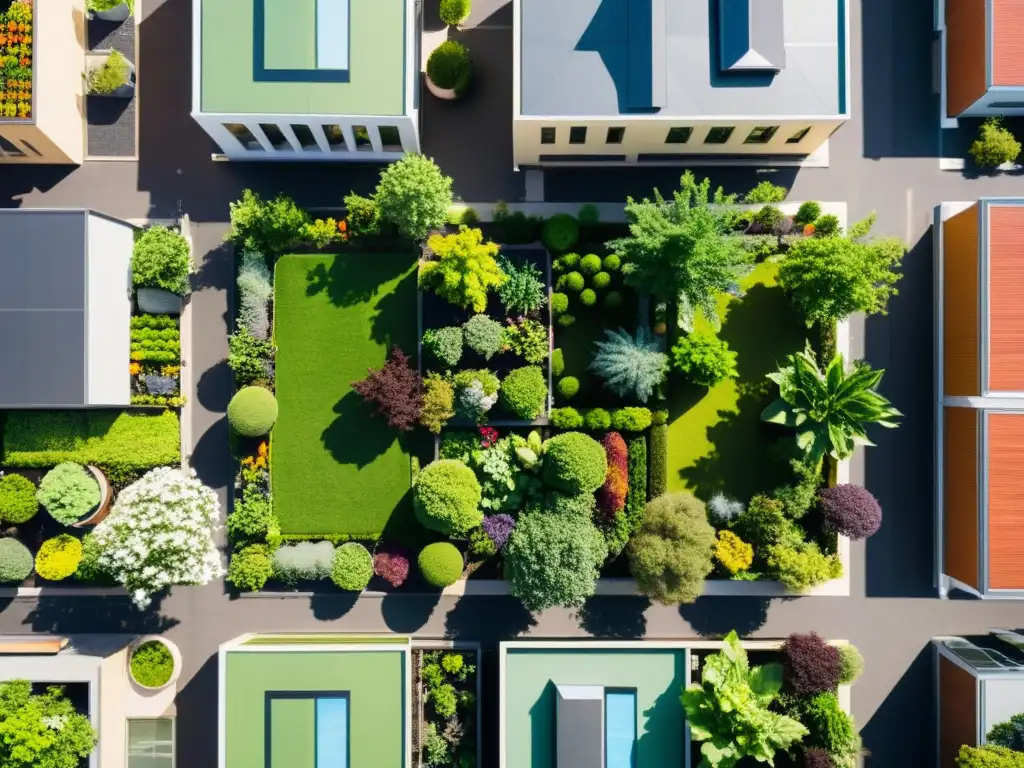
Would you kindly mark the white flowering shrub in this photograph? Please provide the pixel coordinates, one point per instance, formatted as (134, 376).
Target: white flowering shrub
(159, 533)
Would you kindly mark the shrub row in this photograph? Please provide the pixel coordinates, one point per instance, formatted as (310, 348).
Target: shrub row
(658, 461)
(628, 419)
(155, 322)
(636, 494)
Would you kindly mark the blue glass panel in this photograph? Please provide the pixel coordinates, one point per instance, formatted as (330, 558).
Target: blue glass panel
(332, 732)
(619, 728)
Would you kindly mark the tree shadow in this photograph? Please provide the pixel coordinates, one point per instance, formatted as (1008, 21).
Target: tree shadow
(350, 279)
(353, 438)
(407, 614)
(488, 619)
(717, 616)
(68, 615)
(211, 456)
(762, 329)
(215, 269)
(215, 386)
(620, 618)
(332, 606)
(542, 722)
(197, 734)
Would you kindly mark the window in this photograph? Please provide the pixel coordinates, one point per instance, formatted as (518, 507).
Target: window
(615, 135)
(547, 135)
(275, 136)
(578, 134)
(718, 135)
(797, 137)
(244, 135)
(1006, 105)
(363, 143)
(34, 151)
(10, 148)
(678, 135)
(305, 137)
(390, 138)
(761, 135)
(335, 138)
(151, 743)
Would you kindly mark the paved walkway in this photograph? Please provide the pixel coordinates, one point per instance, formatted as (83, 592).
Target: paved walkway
(884, 160)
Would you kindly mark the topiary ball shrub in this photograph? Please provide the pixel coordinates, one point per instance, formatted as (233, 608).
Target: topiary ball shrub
(352, 568)
(850, 510)
(15, 561)
(440, 563)
(252, 411)
(601, 280)
(447, 497)
(444, 345)
(524, 392)
(588, 298)
(590, 264)
(571, 281)
(18, 502)
(559, 303)
(574, 463)
(454, 12)
(612, 299)
(612, 262)
(557, 363)
(152, 664)
(68, 492)
(807, 213)
(449, 67)
(160, 259)
(810, 664)
(567, 262)
(851, 665)
(250, 567)
(560, 232)
(59, 557)
(484, 335)
(597, 420)
(566, 418)
(568, 387)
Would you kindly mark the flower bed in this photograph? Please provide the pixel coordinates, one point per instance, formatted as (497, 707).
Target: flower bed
(446, 720)
(155, 366)
(16, 61)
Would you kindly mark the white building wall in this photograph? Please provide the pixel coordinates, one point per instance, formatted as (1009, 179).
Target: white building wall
(108, 322)
(646, 135)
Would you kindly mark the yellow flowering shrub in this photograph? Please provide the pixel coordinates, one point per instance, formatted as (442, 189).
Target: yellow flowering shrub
(733, 553)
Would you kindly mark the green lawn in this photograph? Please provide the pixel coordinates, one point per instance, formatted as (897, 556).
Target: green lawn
(336, 468)
(717, 442)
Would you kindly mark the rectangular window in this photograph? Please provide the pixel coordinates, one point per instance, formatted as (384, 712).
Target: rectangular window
(578, 134)
(678, 135)
(797, 137)
(305, 137)
(390, 138)
(547, 135)
(1006, 105)
(615, 135)
(151, 743)
(275, 136)
(363, 143)
(335, 138)
(10, 148)
(719, 135)
(245, 136)
(761, 135)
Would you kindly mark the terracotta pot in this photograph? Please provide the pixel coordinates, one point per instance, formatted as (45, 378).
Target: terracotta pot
(106, 500)
(175, 655)
(448, 94)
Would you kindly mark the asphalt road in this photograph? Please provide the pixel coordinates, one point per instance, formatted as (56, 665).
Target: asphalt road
(884, 160)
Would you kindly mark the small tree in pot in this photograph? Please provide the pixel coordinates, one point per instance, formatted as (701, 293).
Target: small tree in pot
(112, 78)
(449, 70)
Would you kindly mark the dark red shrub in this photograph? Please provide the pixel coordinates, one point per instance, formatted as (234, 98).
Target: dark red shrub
(611, 497)
(396, 389)
(850, 510)
(392, 565)
(811, 665)
(816, 757)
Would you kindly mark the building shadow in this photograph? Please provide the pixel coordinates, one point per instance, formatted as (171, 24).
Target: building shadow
(618, 618)
(903, 728)
(900, 558)
(717, 616)
(197, 731)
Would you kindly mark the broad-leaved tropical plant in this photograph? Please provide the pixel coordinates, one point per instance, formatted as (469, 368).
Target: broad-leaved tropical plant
(728, 711)
(829, 409)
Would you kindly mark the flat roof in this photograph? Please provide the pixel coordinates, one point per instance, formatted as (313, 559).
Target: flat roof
(281, 706)
(530, 679)
(591, 58)
(1007, 49)
(1003, 238)
(303, 57)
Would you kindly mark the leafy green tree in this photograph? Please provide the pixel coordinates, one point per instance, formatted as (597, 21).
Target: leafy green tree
(41, 731)
(679, 249)
(830, 278)
(269, 227)
(1008, 734)
(704, 359)
(465, 268)
(630, 365)
(729, 710)
(995, 144)
(829, 410)
(414, 196)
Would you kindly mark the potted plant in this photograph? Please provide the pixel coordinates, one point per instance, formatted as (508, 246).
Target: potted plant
(111, 10)
(454, 12)
(154, 663)
(449, 70)
(75, 495)
(115, 77)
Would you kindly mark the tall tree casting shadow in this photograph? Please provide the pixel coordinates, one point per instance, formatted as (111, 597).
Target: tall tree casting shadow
(717, 616)
(619, 618)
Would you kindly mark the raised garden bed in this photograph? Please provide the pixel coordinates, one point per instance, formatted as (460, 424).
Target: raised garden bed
(446, 706)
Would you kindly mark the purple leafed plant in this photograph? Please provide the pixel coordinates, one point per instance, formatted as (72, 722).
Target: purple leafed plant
(392, 566)
(851, 510)
(499, 528)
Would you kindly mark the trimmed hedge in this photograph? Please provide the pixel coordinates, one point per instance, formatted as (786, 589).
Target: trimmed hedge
(252, 411)
(447, 497)
(353, 567)
(58, 558)
(636, 494)
(440, 563)
(18, 502)
(524, 392)
(15, 561)
(658, 462)
(574, 463)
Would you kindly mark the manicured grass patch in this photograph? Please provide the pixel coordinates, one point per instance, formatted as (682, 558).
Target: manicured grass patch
(717, 442)
(112, 440)
(336, 468)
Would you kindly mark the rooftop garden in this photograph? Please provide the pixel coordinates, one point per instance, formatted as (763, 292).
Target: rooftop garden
(663, 400)
(16, 60)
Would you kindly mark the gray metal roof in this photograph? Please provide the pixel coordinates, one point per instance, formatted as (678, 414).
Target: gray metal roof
(42, 308)
(593, 58)
(751, 34)
(580, 726)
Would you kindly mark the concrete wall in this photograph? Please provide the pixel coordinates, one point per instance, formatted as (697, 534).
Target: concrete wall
(647, 135)
(108, 321)
(58, 129)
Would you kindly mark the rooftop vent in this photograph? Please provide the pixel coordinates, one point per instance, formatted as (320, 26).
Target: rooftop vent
(580, 726)
(751, 36)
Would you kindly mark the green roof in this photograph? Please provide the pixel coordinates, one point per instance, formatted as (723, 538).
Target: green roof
(303, 57)
(271, 704)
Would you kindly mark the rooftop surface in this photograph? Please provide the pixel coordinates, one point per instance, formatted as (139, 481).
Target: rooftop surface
(284, 706)
(580, 58)
(530, 675)
(303, 57)
(1008, 42)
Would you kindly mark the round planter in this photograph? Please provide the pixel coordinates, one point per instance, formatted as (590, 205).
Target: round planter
(175, 655)
(125, 91)
(106, 500)
(117, 13)
(448, 94)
